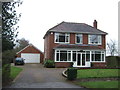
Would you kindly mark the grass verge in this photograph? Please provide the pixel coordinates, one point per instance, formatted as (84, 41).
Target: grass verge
(99, 84)
(97, 73)
(14, 72)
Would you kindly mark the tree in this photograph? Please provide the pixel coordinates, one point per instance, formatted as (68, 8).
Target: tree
(9, 33)
(9, 20)
(112, 47)
(21, 43)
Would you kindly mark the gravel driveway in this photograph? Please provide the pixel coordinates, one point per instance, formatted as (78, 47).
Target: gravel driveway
(35, 76)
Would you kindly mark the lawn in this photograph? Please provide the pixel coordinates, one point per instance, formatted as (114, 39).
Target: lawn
(99, 84)
(97, 73)
(15, 71)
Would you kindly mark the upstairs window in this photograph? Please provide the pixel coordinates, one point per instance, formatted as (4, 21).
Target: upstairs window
(79, 38)
(94, 39)
(61, 38)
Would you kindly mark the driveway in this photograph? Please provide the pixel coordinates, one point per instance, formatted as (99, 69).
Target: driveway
(35, 76)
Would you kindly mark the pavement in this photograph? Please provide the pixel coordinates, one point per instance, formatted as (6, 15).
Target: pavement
(36, 76)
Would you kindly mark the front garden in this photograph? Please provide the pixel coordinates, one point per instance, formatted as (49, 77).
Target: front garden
(14, 72)
(97, 78)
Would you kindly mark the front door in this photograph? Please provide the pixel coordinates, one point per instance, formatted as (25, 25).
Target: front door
(81, 60)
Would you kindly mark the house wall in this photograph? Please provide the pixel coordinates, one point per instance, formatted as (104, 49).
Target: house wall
(31, 49)
(49, 45)
(99, 64)
(62, 64)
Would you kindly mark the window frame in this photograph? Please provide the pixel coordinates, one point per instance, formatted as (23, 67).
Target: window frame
(66, 34)
(102, 53)
(68, 52)
(99, 42)
(76, 38)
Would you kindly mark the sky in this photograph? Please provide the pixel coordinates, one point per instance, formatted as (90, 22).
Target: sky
(38, 16)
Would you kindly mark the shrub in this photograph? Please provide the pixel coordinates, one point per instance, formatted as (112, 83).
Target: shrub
(113, 61)
(71, 73)
(6, 74)
(49, 63)
(7, 57)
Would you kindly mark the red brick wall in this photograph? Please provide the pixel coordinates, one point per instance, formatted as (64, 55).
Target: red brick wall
(31, 49)
(49, 44)
(62, 64)
(85, 39)
(99, 64)
(72, 38)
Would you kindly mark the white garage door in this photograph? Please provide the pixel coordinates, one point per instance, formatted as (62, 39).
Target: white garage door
(31, 58)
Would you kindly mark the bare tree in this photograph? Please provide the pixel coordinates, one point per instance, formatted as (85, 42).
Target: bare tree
(112, 49)
(21, 43)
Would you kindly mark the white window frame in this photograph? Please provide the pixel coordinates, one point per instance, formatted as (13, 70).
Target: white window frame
(76, 38)
(102, 52)
(99, 39)
(71, 51)
(68, 51)
(66, 34)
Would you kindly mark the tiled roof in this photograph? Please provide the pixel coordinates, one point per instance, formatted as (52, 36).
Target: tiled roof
(75, 28)
(81, 47)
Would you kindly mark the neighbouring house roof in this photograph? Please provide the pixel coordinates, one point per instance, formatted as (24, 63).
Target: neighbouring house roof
(28, 47)
(80, 46)
(70, 27)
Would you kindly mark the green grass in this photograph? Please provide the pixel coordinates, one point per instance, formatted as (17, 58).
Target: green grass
(96, 73)
(15, 71)
(99, 84)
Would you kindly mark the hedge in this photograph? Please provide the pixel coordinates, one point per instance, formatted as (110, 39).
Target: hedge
(113, 61)
(71, 73)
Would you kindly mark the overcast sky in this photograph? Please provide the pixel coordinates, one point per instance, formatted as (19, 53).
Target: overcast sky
(40, 15)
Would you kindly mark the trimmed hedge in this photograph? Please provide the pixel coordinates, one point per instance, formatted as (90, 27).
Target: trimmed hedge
(113, 61)
(6, 74)
(71, 73)
(49, 63)
(7, 57)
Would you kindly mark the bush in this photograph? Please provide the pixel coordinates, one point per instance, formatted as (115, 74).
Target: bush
(49, 63)
(7, 57)
(6, 74)
(113, 61)
(71, 73)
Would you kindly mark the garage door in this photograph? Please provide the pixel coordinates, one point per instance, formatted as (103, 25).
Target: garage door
(31, 58)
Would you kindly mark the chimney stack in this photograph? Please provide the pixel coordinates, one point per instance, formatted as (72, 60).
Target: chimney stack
(95, 24)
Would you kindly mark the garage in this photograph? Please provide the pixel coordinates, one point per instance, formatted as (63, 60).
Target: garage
(31, 54)
(31, 57)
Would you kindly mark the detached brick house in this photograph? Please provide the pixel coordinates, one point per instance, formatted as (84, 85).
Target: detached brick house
(82, 44)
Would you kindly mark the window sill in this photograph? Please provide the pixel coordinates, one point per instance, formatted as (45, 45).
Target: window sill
(97, 61)
(62, 42)
(63, 61)
(78, 43)
(94, 44)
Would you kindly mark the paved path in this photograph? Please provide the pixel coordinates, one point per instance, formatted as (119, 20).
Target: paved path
(35, 76)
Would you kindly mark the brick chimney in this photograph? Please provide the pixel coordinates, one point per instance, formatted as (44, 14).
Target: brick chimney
(95, 24)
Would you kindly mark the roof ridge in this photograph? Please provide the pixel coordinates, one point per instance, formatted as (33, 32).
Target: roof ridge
(74, 22)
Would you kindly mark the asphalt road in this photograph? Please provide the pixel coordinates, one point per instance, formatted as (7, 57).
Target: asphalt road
(35, 76)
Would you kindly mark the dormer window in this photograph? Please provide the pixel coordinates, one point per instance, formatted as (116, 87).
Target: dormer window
(62, 38)
(94, 39)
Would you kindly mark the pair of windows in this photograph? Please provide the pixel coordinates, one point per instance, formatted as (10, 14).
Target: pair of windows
(65, 38)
